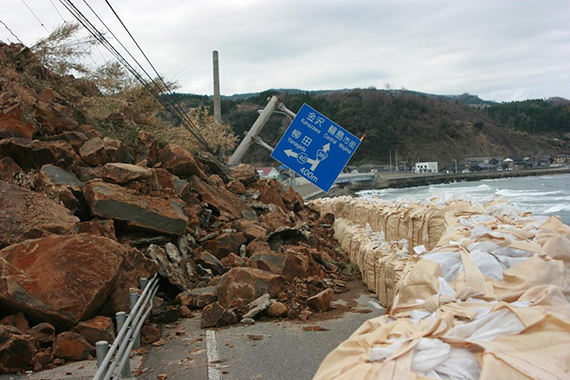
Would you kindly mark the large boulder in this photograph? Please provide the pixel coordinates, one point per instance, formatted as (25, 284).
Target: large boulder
(179, 161)
(225, 202)
(99, 151)
(240, 286)
(59, 279)
(16, 349)
(33, 154)
(163, 215)
(289, 265)
(61, 184)
(25, 214)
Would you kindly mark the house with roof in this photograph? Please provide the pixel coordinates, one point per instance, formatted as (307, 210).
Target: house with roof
(267, 172)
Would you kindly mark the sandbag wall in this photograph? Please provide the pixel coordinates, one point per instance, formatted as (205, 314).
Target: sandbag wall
(488, 300)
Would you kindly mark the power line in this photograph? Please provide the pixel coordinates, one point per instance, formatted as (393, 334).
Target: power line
(10, 30)
(176, 102)
(37, 18)
(84, 21)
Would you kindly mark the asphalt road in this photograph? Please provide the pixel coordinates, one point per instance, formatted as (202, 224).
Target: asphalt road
(269, 350)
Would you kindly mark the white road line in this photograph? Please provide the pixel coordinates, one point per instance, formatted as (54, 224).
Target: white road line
(375, 304)
(213, 357)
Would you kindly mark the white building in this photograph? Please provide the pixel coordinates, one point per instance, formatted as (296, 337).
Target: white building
(425, 167)
(267, 172)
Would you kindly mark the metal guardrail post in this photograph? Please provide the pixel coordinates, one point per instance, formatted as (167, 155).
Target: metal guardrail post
(134, 300)
(116, 362)
(143, 282)
(101, 348)
(121, 318)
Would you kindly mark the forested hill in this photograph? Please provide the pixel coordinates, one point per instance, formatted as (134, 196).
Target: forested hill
(431, 127)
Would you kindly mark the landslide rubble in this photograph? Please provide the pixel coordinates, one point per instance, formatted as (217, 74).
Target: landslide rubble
(82, 219)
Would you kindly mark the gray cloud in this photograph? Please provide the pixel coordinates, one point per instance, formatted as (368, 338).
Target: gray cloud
(501, 50)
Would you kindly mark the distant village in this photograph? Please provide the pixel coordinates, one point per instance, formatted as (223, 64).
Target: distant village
(467, 165)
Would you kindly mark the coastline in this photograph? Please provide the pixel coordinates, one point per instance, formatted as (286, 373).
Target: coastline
(384, 181)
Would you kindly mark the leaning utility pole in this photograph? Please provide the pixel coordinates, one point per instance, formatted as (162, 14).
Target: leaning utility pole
(217, 101)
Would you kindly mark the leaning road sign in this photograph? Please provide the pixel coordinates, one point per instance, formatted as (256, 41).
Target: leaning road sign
(316, 147)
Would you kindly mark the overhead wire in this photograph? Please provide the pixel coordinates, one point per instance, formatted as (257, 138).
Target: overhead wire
(156, 92)
(175, 101)
(12, 33)
(36, 16)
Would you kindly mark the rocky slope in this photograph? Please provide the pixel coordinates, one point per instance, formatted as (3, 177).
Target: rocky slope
(82, 220)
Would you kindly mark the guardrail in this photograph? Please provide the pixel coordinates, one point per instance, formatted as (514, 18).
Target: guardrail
(113, 361)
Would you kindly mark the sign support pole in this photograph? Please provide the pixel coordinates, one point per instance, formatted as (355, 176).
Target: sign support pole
(253, 132)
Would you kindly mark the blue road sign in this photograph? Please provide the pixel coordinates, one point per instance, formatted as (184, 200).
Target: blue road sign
(316, 147)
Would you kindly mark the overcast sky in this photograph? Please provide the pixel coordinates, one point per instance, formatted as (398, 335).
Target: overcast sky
(500, 50)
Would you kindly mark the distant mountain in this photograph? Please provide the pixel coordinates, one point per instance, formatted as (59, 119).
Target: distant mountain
(416, 125)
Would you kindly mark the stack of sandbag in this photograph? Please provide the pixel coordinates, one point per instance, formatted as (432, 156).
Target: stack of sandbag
(488, 301)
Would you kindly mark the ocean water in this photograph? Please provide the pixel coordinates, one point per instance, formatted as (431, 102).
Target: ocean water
(547, 195)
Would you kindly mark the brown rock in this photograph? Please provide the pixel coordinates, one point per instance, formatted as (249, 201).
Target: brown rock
(46, 95)
(225, 244)
(87, 173)
(258, 246)
(150, 334)
(209, 261)
(52, 176)
(321, 301)
(255, 231)
(53, 117)
(295, 266)
(59, 279)
(99, 227)
(185, 312)
(122, 174)
(277, 310)
(162, 215)
(8, 168)
(42, 358)
(14, 124)
(179, 161)
(293, 200)
(269, 194)
(147, 148)
(276, 219)
(237, 187)
(240, 286)
(72, 346)
(74, 138)
(199, 297)
(216, 180)
(17, 320)
(233, 261)
(44, 333)
(181, 274)
(16, 349)
(34, 154)
(269, 261)
(26, 215)
(245, 173)
(226, 202)
(96, 329)
(135, 266)
(99, 151)
(211, 315)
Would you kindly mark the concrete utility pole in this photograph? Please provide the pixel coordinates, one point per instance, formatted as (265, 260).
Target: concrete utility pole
(454, 160)
(217, 100)
(390, 162)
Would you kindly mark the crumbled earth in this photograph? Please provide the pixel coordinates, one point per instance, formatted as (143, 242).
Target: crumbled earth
(82, 220)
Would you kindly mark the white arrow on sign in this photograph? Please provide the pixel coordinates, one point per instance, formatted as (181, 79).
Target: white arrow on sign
(321, 156)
